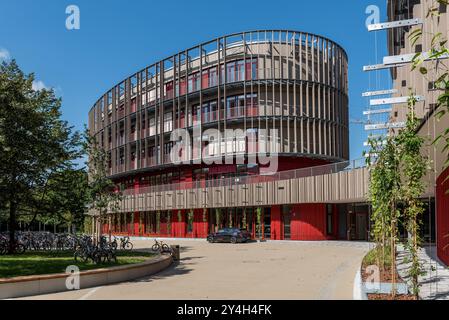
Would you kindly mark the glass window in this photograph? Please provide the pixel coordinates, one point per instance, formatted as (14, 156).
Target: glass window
(190, 83)
(240, 70)
(194, 82)
(230, 107)
(168, 121)
(168, 90)
(230, 72)
(213, 111)
(152, 95)
(152, 124)
(213, 81)
(206, 113)
(196, 114)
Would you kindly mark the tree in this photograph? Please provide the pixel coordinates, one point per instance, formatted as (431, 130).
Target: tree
(103, 196)
(34, 142)
(385, 184)
(414, 167)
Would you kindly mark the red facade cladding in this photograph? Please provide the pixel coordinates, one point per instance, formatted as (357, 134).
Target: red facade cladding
(276, 223)
(308, 222)
(200, 225)
(136, 226)
(179, 224)
(284, 164)
(442, 220)
(287, 164)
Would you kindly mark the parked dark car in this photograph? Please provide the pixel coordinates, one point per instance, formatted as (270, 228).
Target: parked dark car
(230, 235)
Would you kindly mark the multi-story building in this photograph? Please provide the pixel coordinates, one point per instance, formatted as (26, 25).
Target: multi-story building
(406, 82)
(245, 130)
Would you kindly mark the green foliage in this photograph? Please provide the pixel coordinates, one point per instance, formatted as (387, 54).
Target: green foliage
(218, 217)
(373, 256)
(168, 222)
(102, 194)
(37, 150)
(396, 177)
(439, 73)
(87, 225)
(415, 165)
(259, 220)
(190, 219)
(384, 191)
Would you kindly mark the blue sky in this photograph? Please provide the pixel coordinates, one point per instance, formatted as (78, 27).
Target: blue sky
(117, 38)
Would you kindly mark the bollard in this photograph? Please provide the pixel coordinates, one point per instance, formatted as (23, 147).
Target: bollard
(176, 252)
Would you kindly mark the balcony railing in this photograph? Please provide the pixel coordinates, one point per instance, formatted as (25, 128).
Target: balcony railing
(245, 180)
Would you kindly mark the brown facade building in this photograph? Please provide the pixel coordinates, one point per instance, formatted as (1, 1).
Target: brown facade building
(413, 82)
(286, 91)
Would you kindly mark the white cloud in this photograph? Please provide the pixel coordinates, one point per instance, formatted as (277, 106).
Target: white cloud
(4, 54)
(39, 85)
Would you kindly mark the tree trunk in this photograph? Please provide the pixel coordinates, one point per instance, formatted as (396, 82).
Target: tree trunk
(393, 257)
(415, 245)
(12, 226)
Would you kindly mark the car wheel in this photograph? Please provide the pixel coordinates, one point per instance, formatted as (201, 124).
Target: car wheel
(234, 240)
(210, 240)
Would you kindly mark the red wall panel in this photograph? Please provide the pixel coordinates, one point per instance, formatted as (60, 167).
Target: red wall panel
(200, 226)
(287, 164)
(178, 224)
(309, 222)
(442, 220)
(276, 223)
(136, 224)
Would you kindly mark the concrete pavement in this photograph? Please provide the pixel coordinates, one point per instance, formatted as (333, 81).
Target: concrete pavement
(271, 270)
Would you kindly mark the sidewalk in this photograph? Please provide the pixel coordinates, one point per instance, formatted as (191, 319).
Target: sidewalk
(435, 282)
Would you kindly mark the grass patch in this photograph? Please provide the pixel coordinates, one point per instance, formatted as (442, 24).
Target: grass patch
(38, 263)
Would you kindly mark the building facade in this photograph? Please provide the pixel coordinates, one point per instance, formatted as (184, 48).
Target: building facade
(248, 130)
(405, 82)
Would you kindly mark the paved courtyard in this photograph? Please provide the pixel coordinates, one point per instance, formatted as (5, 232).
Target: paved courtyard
(271, 270)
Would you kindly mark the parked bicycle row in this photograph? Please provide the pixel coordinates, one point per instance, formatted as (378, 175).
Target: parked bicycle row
(45, 241)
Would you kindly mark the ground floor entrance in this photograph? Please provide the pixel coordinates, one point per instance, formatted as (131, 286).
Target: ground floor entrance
(350, 222)
(312, 222)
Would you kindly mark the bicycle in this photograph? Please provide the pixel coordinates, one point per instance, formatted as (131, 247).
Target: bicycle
(159, 246)
(126, 244)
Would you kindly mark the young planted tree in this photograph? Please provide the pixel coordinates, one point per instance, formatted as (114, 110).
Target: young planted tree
(378, 199)
(218, 219)
(103, 198)
(34, 142)
(385, 182)
(259, 221)
(414, 167)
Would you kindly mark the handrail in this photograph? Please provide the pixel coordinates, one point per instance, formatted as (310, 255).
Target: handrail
(244, 180)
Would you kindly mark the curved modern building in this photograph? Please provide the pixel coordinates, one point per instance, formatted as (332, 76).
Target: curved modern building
(239, 104)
